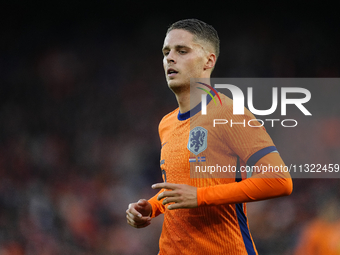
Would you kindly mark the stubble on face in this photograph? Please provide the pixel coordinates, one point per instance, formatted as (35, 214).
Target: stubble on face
(185, 55)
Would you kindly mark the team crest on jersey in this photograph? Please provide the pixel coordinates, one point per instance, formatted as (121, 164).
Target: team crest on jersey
(198, 140)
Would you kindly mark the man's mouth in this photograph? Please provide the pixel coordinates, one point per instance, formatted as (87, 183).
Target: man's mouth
(171, 72)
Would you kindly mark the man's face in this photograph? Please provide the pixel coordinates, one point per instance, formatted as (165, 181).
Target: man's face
(183, 59)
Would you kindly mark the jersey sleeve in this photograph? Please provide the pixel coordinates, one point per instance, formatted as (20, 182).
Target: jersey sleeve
(260, 186)
(163, 129)
(244, 134)
(157, 206)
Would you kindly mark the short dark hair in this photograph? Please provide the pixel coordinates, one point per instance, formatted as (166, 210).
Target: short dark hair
(200, 30)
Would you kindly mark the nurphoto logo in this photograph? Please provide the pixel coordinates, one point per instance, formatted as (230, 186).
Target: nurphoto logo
(238, 100)
(295, 96)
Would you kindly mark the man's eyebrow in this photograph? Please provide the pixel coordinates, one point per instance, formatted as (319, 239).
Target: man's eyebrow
(179, 46)
(165, 48)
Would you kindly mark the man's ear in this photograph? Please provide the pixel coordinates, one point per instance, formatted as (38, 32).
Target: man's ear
(210, 61)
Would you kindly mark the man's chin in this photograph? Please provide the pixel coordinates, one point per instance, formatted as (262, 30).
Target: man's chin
(177, 86)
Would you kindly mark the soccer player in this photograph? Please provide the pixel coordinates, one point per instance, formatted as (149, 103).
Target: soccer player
(206, 215)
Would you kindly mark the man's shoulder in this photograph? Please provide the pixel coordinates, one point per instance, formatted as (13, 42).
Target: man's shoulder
(171, 116)
(169, 119)
(222, 106)
(226, 101)
(228, 106)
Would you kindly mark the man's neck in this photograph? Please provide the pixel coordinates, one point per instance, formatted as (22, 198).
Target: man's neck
(188, 99)
(183, 100)
(188, 96)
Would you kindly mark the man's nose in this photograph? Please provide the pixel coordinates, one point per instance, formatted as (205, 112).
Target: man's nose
(171, 57)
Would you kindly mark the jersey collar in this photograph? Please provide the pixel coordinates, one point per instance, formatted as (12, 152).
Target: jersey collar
(193, 111)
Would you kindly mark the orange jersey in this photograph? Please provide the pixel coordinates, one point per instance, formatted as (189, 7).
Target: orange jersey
(190, 146)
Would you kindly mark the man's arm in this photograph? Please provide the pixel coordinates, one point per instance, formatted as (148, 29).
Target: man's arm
(259, 187)
(139, 214)
(157, 205)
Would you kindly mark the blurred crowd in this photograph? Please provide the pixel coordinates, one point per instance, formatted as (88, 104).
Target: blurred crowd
(79, 113)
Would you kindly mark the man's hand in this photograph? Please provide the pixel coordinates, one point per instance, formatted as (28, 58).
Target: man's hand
(180, 195)
(138, 214)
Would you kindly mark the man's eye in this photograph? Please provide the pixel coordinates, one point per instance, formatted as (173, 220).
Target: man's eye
(182, 52)
(166, 53)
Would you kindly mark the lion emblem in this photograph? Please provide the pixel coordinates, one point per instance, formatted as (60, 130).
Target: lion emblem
(197, 140)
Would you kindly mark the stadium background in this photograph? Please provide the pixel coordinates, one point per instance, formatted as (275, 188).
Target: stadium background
(82, 91)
